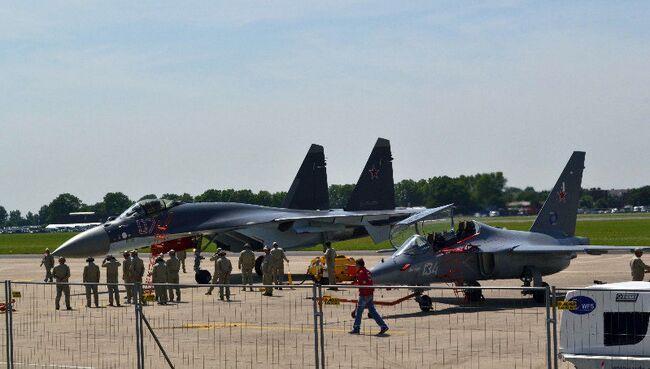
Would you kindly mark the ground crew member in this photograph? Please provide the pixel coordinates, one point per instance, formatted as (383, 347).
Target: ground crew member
(364, 278)
(173, 268)
(330, 261)
(223, 269)
(182, 255)
(158, 276)
(91, 276)
(267, 273)
(215, 279)
(48, 263)
(277, 261)
(137, 273)
(112, 267)
(246, 264)
(126, 276)
(61, 274)
(637, 266)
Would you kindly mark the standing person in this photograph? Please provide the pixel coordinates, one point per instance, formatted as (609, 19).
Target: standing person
(137, 273)
(159, 277)
(330, 261)
(173, 268)
(48, 263)
(364, 278)
(215, 278)
(127, 276)
(223, 270)
(246, 264)
(277, 261)
(91, 278)
(267, 272)
(112, 268)
(61, 274)
(182, 255)
(637, 266)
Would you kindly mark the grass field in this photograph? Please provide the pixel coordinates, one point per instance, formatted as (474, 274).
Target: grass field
(614, 229)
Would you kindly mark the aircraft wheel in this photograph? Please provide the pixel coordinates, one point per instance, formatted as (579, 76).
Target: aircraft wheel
(258, 265)
(324, 281)
(425, 302)
(540, 296)
(202, 277)
(473, 295)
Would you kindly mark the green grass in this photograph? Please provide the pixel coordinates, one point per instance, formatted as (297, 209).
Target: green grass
(34, 243)
(617, 230)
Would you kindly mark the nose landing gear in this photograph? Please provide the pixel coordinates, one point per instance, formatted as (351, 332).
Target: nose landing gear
(424, 301)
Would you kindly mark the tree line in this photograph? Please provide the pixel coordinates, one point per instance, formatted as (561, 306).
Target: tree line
(475, 193)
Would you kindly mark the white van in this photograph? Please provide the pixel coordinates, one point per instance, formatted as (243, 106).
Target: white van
(606, 326)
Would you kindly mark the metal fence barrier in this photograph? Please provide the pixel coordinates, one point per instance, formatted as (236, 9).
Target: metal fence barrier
(300, 326)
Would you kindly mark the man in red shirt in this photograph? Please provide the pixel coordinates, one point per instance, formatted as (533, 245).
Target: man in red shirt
(364, 278)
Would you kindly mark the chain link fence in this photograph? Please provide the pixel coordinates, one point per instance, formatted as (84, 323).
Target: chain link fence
(300, 326)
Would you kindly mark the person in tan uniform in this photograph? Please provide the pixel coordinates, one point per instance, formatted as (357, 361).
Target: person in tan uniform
(137, 273)
(61, 274)
(112, 268)
(223, 270)
(182, 255)
(173, 268)
(48, 263)
(91, 276)
(126, 276)
(277, 264)
(637, 266)
(330, 262)
(246, 264)
(215, 279)
(159, 275)
(267, 272)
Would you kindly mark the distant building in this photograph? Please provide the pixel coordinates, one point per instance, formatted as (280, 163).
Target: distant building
(76, 221)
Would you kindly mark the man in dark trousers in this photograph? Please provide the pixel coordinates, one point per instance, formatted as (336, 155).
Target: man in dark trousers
(364, 278)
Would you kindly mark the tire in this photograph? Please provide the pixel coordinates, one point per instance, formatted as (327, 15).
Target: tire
(258, 265)
(202, 277)
(540, 296)
(425, 303)
(473, 295)
(324, 281)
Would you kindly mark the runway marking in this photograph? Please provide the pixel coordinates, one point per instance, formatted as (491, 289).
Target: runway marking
(308, 327)
(51, 365)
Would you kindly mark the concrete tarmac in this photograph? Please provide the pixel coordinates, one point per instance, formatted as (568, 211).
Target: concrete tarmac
(507, 330)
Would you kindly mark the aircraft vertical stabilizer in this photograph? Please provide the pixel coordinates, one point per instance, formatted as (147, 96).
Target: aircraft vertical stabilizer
(559, 213)
(375, 189)
(309, 190)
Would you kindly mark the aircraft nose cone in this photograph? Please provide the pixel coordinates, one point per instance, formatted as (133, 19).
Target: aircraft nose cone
(385, 273)
(93, 242)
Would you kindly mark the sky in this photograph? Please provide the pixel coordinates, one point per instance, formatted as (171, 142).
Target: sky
(171, 97)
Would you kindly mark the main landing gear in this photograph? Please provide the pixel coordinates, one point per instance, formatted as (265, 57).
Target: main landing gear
(472, 294)
(532, 276)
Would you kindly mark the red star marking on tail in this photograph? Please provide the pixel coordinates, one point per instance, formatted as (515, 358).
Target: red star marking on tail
(374, 173)
(562, 194)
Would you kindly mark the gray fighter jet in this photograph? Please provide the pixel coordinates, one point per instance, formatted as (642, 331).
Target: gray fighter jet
(475, 251)
(369, 211)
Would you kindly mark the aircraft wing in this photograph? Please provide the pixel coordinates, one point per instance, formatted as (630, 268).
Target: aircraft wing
(589, 249)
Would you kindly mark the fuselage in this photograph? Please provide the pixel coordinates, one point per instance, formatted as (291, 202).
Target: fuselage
(479, 256)
(141, 226)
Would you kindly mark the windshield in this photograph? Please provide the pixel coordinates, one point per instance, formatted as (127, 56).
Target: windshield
(149, 207)
(415, 245)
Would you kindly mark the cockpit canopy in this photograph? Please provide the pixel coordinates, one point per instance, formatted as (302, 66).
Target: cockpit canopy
(148, 207)
(415, 245)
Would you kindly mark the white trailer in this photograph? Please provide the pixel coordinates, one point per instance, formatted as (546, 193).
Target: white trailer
(606, 326)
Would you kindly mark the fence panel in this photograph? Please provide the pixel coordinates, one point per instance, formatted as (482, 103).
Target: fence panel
(3, 331)
(83, 337)
(250, 331)
(504, 331)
